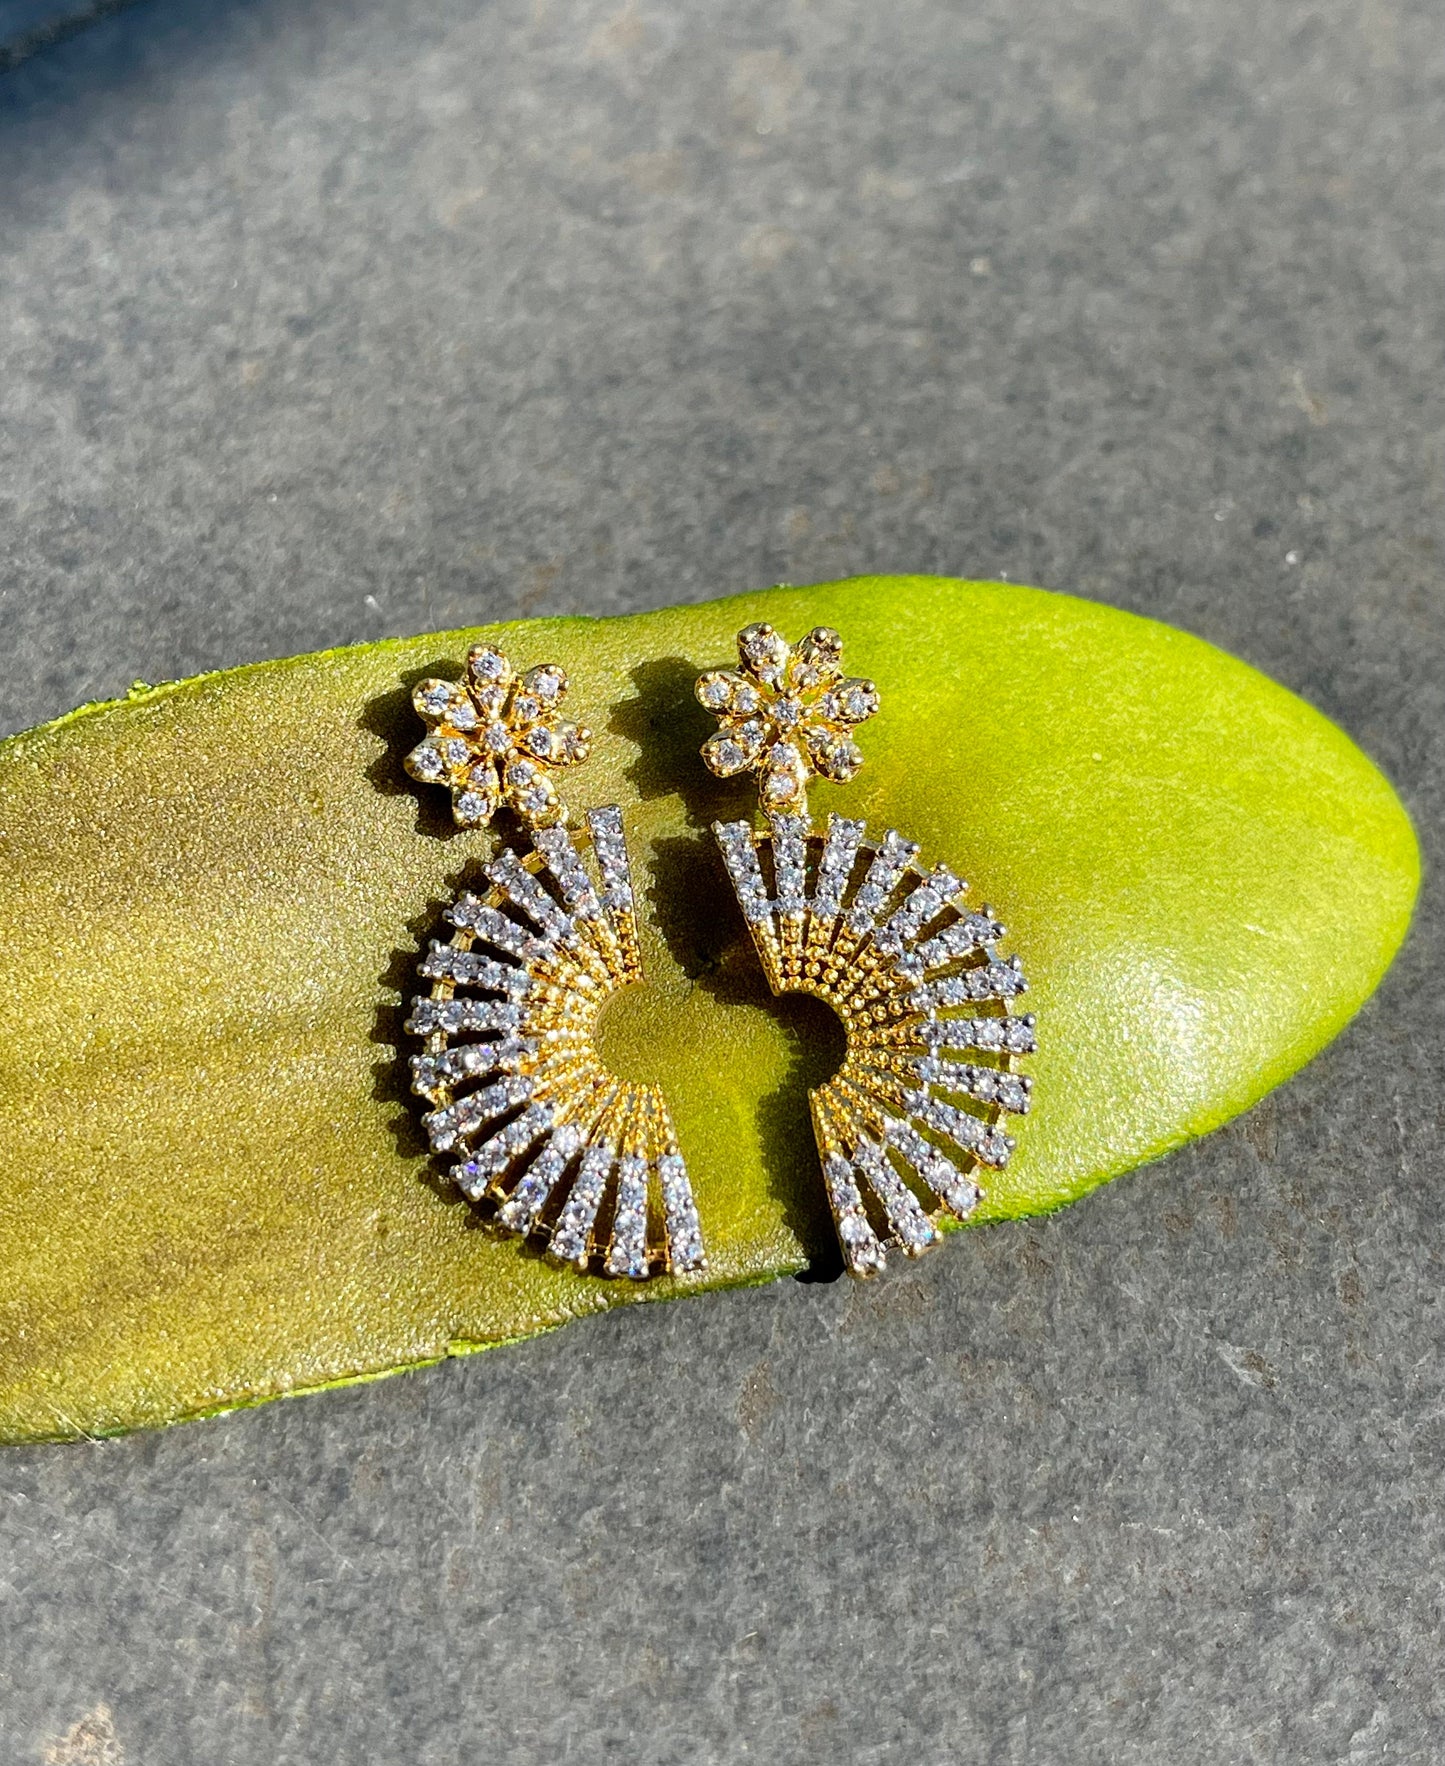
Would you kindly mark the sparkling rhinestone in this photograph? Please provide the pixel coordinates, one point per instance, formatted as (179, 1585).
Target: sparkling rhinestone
(574, 1225)
(473, 1175)
(835, 866)
(488, 665)
(443, 962)
(494, 926)
(815, 661)
(764, 652)
(715, 691)
(525, 892)
(906, 1217)
(627, 1254)
(547, 681)
(684, 1235)
(786, 777)
(427, 763)
(861, 1248)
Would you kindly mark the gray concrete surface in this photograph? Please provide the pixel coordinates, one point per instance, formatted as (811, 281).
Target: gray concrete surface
(321, 321)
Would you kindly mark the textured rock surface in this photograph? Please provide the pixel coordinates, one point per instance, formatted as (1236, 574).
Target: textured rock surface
(323, 321)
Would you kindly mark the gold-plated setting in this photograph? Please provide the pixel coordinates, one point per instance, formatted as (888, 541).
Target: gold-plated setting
(558, 1147)
(926, 1002)
(787, 712)
(495, 738)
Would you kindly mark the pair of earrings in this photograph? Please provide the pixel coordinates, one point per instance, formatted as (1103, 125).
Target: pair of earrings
(565, 1151)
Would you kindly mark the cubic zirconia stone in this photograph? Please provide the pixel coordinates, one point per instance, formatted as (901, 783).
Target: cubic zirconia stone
(741, 859)
(785, 776)
(989, 1145)
(790, 854)
(1014, 1036)
(446, 1127)
(958, 1192)
(610, 847)
(493, 1157)
(520, 1210)
(457, 1015)
(1011, 1091)
(840, 849)
(427, 763)
(495, 928)
(684, 1234)
(436, 699)
(472, 1060)
(524, 891)
(968, 933)
(765, 652)
(914, 1231)
(487, 664)
(861, 1249)
(889, 863)
(925, 903)
(569, 1240)
(627, 1254)
(850, 702)
(469, 968)
(555, 846)
(990, 981)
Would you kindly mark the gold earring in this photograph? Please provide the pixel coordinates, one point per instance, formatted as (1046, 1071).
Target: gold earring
(914, 976)
(563, 1149)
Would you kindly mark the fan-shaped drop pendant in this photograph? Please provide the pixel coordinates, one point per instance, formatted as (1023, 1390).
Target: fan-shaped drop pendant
(564, 1150)
(916, 980)
(914, 976)
(510, 1063)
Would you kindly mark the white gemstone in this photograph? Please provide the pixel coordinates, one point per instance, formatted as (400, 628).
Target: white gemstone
(836, 864)
(968, 933)
(861, 1249)
(912, 1226)
(889, 863)
(764, 651)
(473, 808)
(627, 1254)
(427, 763)
(574, 1226)
(519, 1212)
(473, 1175)
(958, 1192)
(496, 929)
(789, 861)
(456, 1121)
(443, 962)
(455, 1015)
(472, 1060)
(684, 1234)
(525, 892)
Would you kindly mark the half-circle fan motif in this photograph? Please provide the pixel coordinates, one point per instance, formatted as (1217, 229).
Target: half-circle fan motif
(927, 1005)
(563, 1149)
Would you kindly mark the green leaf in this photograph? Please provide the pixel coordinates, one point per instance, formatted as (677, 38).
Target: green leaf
(213, 1189)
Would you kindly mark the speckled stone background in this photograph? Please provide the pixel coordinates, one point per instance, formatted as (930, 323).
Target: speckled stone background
(320, 321)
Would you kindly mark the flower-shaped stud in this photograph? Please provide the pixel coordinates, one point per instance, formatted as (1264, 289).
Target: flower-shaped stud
(495, 739)
(787, 714)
